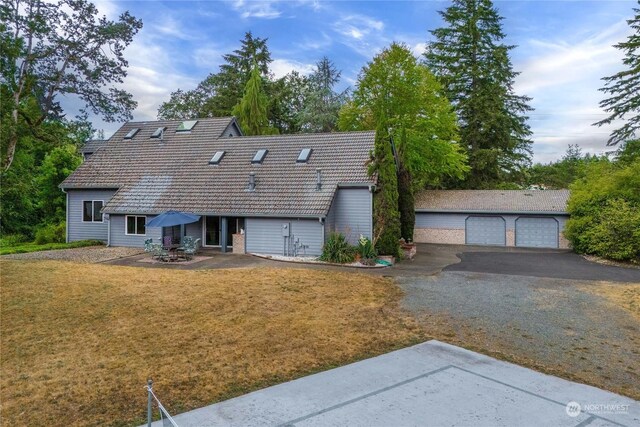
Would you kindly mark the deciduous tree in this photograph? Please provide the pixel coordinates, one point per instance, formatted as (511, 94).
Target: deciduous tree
(396, 92)
(60, 48)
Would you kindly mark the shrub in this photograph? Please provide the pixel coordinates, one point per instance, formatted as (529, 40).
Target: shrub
(613, 233)
(366, 250)
(13, 239)
(51, 233)
(338, 250)
(605, 211)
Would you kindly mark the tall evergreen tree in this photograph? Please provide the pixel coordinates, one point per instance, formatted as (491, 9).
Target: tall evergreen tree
(321, 102)
(286, 99)
(624, 88)
(251, 111)
(217, 95)
(386, 218)
(472, 62)
(230, 82)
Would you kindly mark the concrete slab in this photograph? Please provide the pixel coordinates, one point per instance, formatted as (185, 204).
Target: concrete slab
(428, 384)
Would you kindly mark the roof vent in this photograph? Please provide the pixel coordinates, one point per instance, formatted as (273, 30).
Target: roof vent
(318, 179)
(186, 126)
(158, 132)
(216, 158)
(260, 155)
(131, 133)
(304, 155)
(252, 181)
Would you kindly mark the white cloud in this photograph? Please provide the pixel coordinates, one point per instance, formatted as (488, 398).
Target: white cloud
(208, 57)
(557, 62)
(255, 9)
(282, 67)
(418, 49)
(171, 27)
(316, 43)
(107, 8)
(361, 33)
(152, 76)
(563, 78)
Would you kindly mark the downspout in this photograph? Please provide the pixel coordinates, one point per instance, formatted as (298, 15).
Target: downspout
(66, 217)
(372, 189)
(109, 231)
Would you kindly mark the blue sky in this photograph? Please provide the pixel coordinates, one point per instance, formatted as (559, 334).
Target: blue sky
(564, 48)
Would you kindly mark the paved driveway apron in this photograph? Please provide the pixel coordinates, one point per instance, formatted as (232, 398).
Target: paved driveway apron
(554, 264)
(429, 384)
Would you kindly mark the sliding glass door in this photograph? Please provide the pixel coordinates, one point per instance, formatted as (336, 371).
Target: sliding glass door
(212, 231)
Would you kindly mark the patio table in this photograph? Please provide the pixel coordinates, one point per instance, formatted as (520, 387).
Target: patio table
(173, 251)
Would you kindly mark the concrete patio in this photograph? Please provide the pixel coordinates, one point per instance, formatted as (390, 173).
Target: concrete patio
(428, 384)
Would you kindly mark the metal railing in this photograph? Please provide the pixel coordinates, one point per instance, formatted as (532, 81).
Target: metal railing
(165, 418)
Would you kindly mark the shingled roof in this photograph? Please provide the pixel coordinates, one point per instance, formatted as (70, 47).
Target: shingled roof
(92, 146)
(154, 176)
(493, 201)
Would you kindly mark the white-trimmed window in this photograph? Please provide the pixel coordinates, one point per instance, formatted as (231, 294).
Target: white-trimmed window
(135, 225)
(91, 210)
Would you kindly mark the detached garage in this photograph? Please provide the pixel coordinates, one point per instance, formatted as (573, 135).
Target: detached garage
(524, 218)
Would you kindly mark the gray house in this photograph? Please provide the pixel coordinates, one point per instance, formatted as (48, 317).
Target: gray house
(260, 194)
(524, 218)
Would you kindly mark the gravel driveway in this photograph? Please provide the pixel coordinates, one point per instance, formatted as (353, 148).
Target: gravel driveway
(559, 326)
(89, 254)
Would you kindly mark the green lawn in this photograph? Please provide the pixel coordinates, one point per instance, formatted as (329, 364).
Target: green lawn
(21, 248)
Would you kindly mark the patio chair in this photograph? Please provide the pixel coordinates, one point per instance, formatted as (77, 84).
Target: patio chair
(158, 252)
(147, 245)
(167, 241)
(191, 248)
(188, 248)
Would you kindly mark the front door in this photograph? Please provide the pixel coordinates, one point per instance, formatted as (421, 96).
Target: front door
(212, 231)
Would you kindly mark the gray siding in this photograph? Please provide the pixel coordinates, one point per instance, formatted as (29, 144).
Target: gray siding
(351, 213)
(195, 229)
(264, 235)
(453, 221)
(230, 131)
(120, 238)
(76, 228)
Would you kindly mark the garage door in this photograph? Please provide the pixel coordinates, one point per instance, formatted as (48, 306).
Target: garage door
(537, 232)
(485, 230)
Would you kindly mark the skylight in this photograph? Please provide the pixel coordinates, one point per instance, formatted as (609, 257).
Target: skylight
(158, 132)
(186, 126)
(216, 158)
(259, 157)
(131, 133)
(304, 155)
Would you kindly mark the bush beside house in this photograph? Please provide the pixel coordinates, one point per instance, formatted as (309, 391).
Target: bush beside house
(605, 208)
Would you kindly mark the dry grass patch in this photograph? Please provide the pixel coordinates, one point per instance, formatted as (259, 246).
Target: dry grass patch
(79, 341)
(621, 295)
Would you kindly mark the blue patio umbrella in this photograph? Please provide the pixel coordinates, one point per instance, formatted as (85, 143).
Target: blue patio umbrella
(171, 218)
